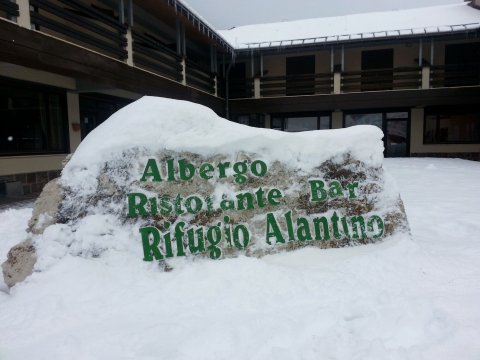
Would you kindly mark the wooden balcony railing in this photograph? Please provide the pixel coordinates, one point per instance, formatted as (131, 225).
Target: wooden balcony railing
(151, 54)
(8, 9)
(199, 78)
(455, 75)
(296, 85)
(382, 79)
(82, 24)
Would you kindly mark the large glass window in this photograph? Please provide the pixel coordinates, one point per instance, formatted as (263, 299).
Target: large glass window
(296, 123)
(33, 119)
(449, 126)
(364, 119)
(254, 120)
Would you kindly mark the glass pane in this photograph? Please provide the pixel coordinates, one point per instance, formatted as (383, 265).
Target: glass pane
(364, 119)
(397, 138)
(277, 123)
(301, 124)
(324, 122)
(31, 121)
(452, 128)
(397, 115)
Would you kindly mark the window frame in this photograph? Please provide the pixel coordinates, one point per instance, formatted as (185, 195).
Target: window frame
(49, 90)
(284, 116)
(447, 110)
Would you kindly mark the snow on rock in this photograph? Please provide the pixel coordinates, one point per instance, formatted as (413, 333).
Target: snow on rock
(164, 179)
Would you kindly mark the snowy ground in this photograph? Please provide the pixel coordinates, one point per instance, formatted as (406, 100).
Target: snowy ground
(400, 299)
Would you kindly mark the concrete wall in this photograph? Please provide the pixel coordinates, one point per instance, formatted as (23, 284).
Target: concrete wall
(30, 164)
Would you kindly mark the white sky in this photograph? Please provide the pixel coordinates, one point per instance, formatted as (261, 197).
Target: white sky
(224, 14)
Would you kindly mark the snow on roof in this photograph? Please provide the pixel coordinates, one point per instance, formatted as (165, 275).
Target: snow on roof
(397, 23)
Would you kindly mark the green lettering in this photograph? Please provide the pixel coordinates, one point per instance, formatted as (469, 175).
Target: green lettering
(135, 208)
(214, 236)
(245, 237)
(303, 229)
(258, 168)
(245, 196)
(151, 250)
(205, 171)
(221, 169)
(273, 230)
(185, 170)
(239, 170)
(358, 223)
(272, 195)
(380, 226)
(326, 232)
(335, 189)
(351, 190)
(151, 170)
(317, 191)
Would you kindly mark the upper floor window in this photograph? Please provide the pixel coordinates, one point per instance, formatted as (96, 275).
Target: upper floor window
(33, 119)
(300, 75)
(377, 70)
(452, 126)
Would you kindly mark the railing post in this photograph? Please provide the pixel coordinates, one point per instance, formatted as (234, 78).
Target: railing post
(24, 14)
(256, 88)
(184, 71)
(215, 85)
(425, 77)
(337, 82)
(129, 46)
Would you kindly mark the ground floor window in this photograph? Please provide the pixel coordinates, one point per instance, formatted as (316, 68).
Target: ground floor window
(255, 120)
(33, 119)
(452, 125)
(96, 108)
(394, 124)
(298, 122)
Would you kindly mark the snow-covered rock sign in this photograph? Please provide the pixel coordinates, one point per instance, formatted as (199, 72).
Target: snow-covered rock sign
(162, 179)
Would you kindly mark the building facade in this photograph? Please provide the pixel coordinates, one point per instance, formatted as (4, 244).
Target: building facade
(66, 65)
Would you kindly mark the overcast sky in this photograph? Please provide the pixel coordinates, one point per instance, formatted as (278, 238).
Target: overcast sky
(224, 14)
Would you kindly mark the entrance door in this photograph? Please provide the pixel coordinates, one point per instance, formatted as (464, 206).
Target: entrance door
(396, 138)
(394, 124)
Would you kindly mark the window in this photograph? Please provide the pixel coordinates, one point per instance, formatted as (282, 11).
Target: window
(377, 70)
(96, 108)
(451, 126)
(395, 125)
(300, 123)
(255, 120)
(364, 119)
(33, 119)
(300, 75)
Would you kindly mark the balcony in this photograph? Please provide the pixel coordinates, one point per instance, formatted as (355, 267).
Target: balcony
(402, 78)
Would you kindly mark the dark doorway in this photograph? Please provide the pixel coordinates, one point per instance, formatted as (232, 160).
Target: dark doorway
(462, 64)
(395, 125)
(377, 70)
(300, 75)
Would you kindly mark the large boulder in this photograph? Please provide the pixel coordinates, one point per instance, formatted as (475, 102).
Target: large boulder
(164, 178)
